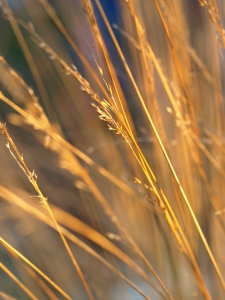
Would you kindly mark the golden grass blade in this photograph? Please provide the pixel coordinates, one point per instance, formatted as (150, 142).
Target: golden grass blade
(32, 66)
(8, 72)
(52, 14)
(176, 178)
(215, 139)
(219, 23)
(75, 224)
(175, 228)
(190, 106)
(173, 219)
(176, 60)
(209, 79)
(32, 177)
(98, 195)
(50, 11)
(9, 247)
(165, 153)
(17, 281)
(42, 284)
(6, 296)
(112, 72)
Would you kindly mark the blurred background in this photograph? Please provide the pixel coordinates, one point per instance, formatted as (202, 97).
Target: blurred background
(87, 165)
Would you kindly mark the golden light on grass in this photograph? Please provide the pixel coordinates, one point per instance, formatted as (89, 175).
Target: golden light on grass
(140, 200)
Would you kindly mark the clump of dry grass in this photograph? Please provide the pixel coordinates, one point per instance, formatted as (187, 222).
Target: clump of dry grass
(179, 179)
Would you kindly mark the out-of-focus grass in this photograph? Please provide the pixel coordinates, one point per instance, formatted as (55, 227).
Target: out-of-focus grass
(140, 205)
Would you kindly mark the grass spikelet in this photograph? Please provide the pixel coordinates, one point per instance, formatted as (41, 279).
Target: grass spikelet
(43, 201)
